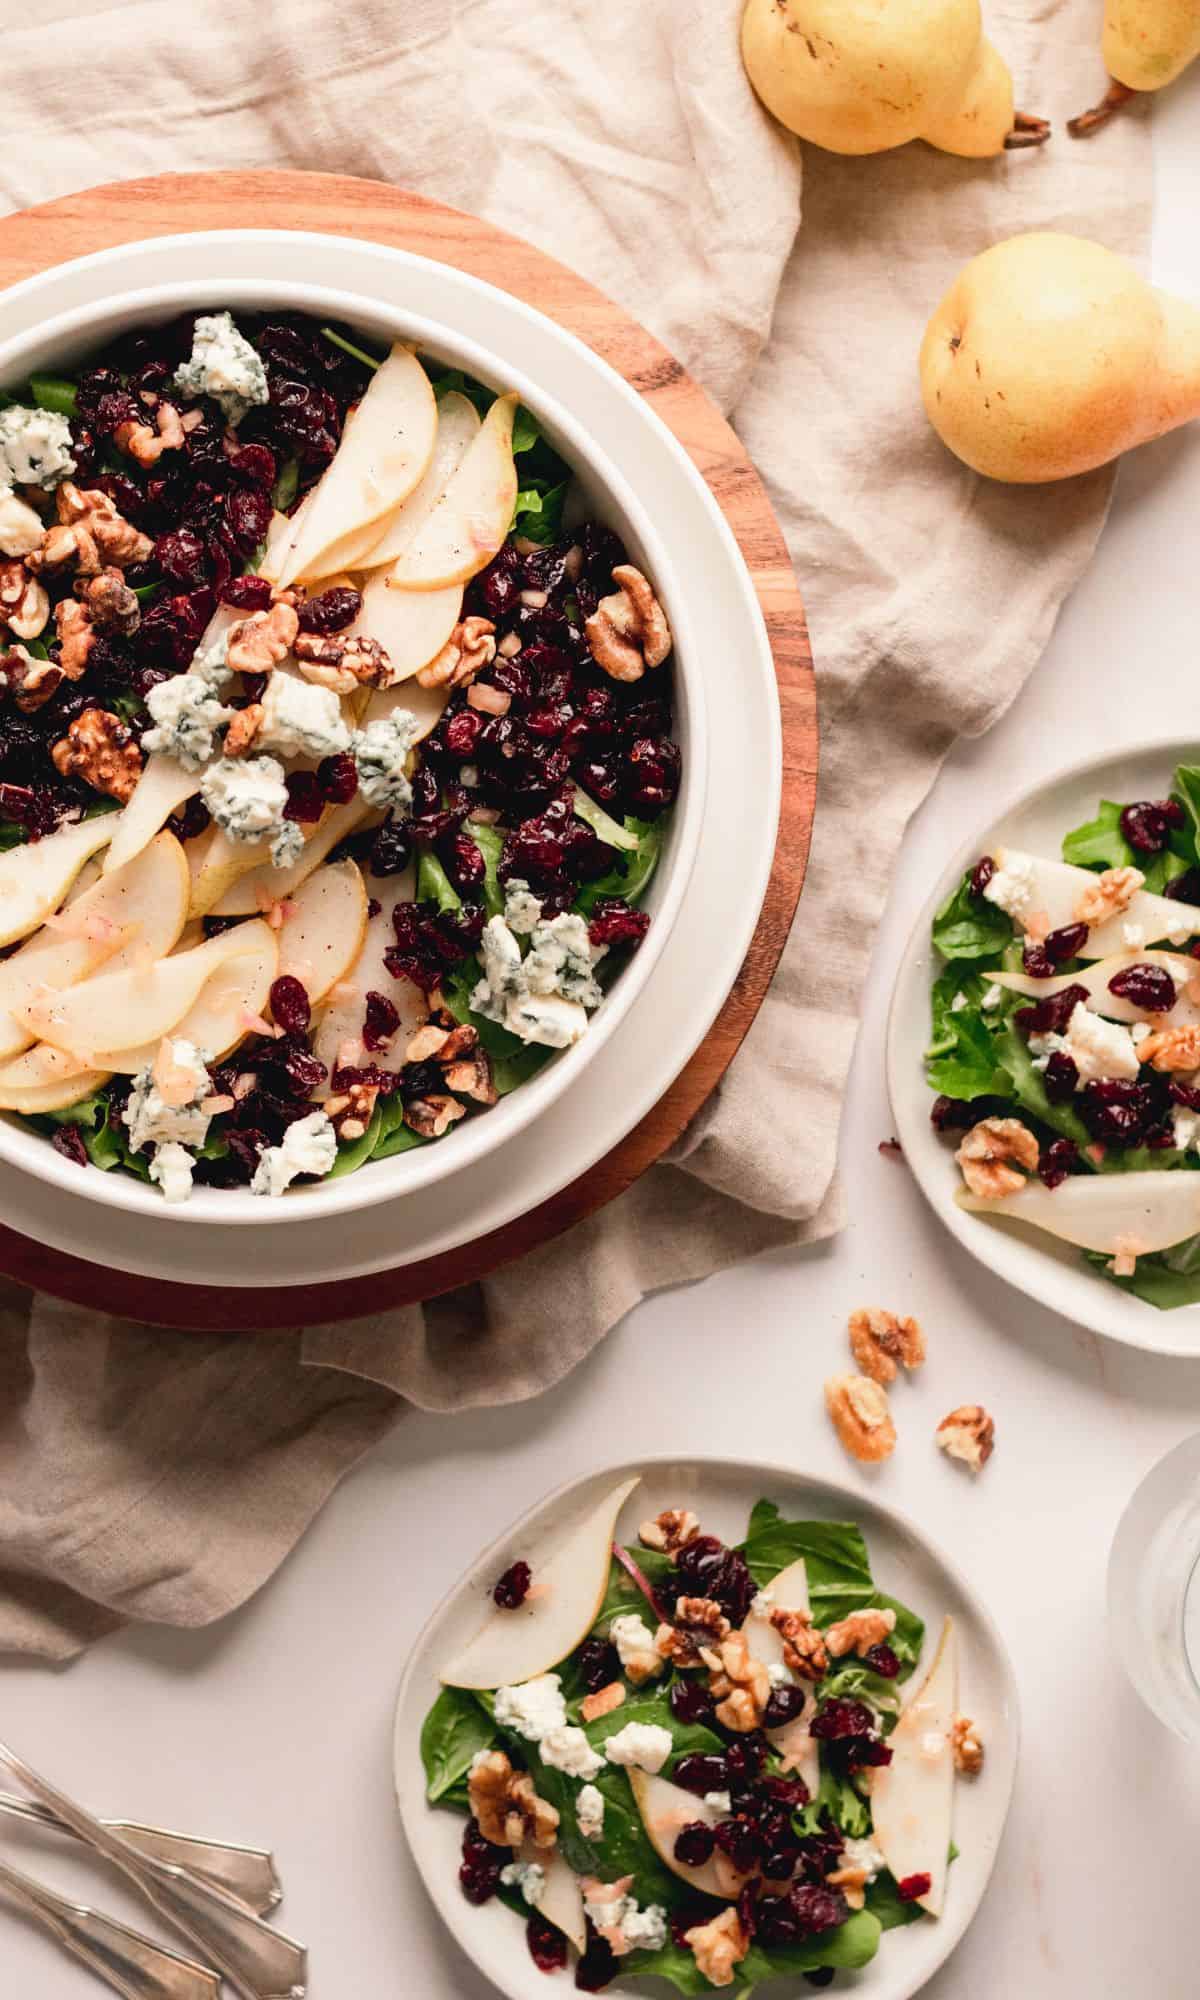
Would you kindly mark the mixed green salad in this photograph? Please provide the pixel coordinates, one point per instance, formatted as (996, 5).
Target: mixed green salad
(691, 1761)
(1065, 1047)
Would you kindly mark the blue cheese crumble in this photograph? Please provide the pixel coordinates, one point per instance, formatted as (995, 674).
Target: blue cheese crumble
(522, 910)
(223, 365)
(247, 797)
(308, 1147)
(544, 996)
(211, 663)
(35, 447)
(171, 1169)
(381, 752)
(611, 1912)
(187, 716)
(149, 1117)
(300, 720)
(528, 1877)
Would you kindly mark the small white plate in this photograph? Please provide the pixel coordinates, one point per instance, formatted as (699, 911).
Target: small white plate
(722, 1492)
(1047, 1270)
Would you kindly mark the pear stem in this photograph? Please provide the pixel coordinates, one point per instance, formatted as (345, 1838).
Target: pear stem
(1027, 131)
(1115, 99)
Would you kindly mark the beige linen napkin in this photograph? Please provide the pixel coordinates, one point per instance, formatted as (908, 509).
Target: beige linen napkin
(163, 1477)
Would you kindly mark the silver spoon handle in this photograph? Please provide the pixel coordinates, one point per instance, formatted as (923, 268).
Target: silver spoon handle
(245, 1872)
(130, 1963)
(261, 1963)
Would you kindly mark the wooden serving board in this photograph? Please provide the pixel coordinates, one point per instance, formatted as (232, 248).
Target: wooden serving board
(128, 211)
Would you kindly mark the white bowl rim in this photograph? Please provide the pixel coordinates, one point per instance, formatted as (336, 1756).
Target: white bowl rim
(381, 1181)
(1117, 1315)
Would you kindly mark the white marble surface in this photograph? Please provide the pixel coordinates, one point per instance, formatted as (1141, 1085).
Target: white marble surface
(275, 1726)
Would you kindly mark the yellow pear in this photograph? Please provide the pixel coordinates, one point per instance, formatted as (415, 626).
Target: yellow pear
(857, 77)
(1050, 355)
(1147, 43)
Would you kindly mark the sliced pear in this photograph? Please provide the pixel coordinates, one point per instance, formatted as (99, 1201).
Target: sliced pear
(46, 1079)
(264, 886)
(458, 427)
(469, 522)
(322, 932)
(666, 1809)
(35, 877)
(137, 912)
(282, 536)
(912, 1798)
(412, 626)
(425, 704)
(561, 1900)
(1054, 891)
(386, 445)
(342, 1018)
(1105, 1212)
(1115, 1007)
(118, 1010)
(794, 1741)
(230, 999)
(515, 1646)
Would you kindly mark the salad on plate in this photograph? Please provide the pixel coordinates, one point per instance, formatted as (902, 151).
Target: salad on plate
(336, 753)
(695, 1762)
(1065, 1051)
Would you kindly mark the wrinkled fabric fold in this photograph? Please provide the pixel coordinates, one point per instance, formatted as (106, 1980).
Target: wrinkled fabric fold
(146, 1475)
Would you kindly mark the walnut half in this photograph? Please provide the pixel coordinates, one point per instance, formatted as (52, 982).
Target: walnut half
(969, 1434)
(670, 1531)
(718, 1946)
(470, 647)
(100, 749)
(506, 1805)
(879, 1341)
(628, 631)
(858, 1410)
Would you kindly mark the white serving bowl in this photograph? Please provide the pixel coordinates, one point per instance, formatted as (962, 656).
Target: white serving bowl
(60, 344)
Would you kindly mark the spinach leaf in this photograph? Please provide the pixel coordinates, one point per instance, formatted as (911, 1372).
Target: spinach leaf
(853, 1945)
(623, 1595)
(969, 926)
(1099, 843)
(1186, 788)
(1165, 1279)
(453, 379)
(394, 1135)
(963, 1059)
(883, 1901)
(455, 1730)
(356, 1152)
(839, 1571)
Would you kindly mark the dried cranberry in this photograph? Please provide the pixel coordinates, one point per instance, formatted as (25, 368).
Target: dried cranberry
(913, 1887)
(694, 1844)
(382, 1021)
(982, 874)
(305, 800)
(290, 1005)
(460, 732)
(706, 1568)
(391, 849)
(182, 558)
(513, 1588)
(1060, 1077)
(547, 1944)
(599, 1665)
(1149, 987)
(1067, 942)
(68, 1140)
(744, 1759)
(690, 1702)
(785, 1704)
(1115, 1112)
(1184, 888)
(1148, 823)
(247, 593)
(1050, 1016)
(614, 922)
(882, 1661)
(429, 941)
(348, 1076)
(463, 862)
(337, 778)
(191, 820)
(248, 513)
(501, 583)
(701, 1772)
(1186, 1094)
(1037, 962)
(331, 612)
(652, 782)
(952, 1114)
(598, 1966)
(848, 1727)
(479, 1873)
(740, 1842)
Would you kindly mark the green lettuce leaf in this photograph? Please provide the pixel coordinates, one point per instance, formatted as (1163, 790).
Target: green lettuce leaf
(1165, 1279)
(963, 1058)
(839, 1571)
(969, 926)
(1099, 843)
(848, 1948)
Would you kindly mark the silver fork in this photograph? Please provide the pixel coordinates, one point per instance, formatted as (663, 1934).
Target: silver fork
(245, 1872)
(129, 1962)
(261, 1963)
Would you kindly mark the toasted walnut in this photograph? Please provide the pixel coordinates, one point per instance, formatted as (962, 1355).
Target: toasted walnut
(24, 605)
(1172, 1049)
(858, 1632)
(968, 1433)
(506, 1805)
(878, 1341)
(90, 533)
(741, 1685)
(147, 442)
(351, 1111)
(99, 749)
(719, 1946)
(243, 730)
(852, 1880)
(967, 1745)
(33, 681)
(429, 1117)
(699, 1624)
(455, 1047)
(344, 662)
(22, 529)
(261, 641)
(804, 1649)
(859, 1412)
(470, 648)
(670, 1531)
(76, 636)
(1108, 895)
(986, 1151)
(628, 631)
(113, 605)
(470, 1075)
(602, 1702)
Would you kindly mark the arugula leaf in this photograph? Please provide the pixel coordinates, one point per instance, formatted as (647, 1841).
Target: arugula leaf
(1027, 1086)
(370, 361)
(1099, 842)
(538, 514)
(455, 1730)
(969, 926)
(630, 874)
(54, 392)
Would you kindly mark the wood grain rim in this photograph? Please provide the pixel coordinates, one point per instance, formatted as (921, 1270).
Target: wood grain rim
(174, 204)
